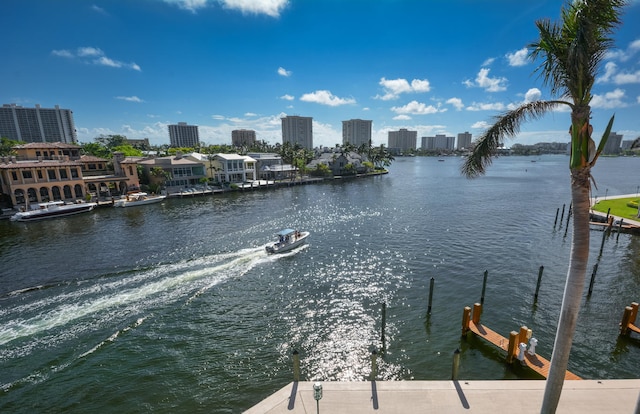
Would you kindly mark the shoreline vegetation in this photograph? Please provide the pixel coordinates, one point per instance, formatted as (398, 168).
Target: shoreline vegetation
(625, 207)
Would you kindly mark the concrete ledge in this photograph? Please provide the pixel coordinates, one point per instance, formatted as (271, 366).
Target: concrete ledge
(521, 396)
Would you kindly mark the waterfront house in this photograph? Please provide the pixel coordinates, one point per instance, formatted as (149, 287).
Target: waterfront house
(181, 172)
(233, 168)
(41, 172)
(52, 171)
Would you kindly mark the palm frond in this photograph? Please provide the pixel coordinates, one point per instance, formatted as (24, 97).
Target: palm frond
(574, 49)
(506, 125)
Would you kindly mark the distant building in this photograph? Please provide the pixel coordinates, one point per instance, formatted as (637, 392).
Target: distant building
(243, 137)
(402, 140)
(439, 142)
(37, 124)
(612, 146)
(184, 136)
(464, 141)
(356, 132)
(298, 130)
(142, 144)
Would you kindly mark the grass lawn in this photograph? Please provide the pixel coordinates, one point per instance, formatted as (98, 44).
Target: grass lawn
(619, 207)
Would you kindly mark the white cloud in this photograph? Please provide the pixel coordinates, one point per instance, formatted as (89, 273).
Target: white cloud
(98, 57)
(457, 103)
(130, 99)
(271, 8)
(250, 114)
(394, 87)
(480, 125)
(518, 58)
(287, 97)
(325, 97)
(613, 99)
(283, 72)
(62, 53)
(532, 95)
(496, 106)
(610, 69)
(401, 118)
(99, 10)
(638, 99)
(416, 108)
(489, 84)
(624, 78)
(218, 117)
(190, 5)
(624, 55)
(488, 62)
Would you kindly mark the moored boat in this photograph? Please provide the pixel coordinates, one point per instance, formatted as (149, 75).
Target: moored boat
(138, 199)
(53, 209)
(288, 239)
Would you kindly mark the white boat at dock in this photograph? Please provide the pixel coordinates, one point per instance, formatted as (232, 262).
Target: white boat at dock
(53, 209)
(288, 239)
(138, 199)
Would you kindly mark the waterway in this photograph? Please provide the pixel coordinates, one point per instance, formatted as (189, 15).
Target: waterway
(176, 307)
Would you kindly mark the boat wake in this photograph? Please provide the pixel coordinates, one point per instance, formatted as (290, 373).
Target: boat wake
(80, 306)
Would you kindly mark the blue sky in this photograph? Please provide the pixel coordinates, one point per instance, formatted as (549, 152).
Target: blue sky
(132, 67)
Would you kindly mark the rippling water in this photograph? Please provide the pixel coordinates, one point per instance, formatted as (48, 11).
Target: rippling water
(176, 307)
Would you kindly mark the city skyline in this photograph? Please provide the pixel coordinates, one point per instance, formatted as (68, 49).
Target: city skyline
(439, 68)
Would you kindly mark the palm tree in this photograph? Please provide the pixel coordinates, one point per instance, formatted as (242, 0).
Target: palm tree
(571, 52)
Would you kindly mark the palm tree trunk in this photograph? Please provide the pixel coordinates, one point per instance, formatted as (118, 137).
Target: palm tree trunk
(580, 190)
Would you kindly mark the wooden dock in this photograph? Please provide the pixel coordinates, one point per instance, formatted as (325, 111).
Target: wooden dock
(509, 345)
(629, 319)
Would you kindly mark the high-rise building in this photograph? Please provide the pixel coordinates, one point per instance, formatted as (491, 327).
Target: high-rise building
(402, 140)
(184, 136)
(37, 124)
(298, 130)
(612, 146)
(356, 132)
(464, 141)
(439, 142)
(243, 137)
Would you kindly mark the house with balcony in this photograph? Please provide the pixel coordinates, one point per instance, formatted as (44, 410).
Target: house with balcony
(45, 171)
(179, 172)
(42, 172)
(233, 168)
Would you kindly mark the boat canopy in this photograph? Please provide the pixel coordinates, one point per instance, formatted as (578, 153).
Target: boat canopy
(285, 232)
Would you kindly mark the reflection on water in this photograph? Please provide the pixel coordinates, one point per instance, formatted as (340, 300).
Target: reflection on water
(177, 307)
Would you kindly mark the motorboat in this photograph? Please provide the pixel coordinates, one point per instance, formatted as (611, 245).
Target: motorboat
(138, 199)
(52, 209)
(288, 239)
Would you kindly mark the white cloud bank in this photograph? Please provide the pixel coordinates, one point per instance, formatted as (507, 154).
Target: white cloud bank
(271, 8)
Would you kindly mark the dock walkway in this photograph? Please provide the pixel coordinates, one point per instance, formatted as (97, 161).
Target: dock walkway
(469, 397)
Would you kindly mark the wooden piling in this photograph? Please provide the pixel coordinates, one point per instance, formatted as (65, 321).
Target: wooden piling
(374, 365)
(296, 365)
(593, 278)
(466, 317)
(430, 295)
(522, 335)
(626, 318)
(512, 348)
(384, 325)
(484, 286)
(562, 215)
(619, 229)
(456, 365)
(629, 319)
(477, 311)
(535, 296)
(556, 220)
